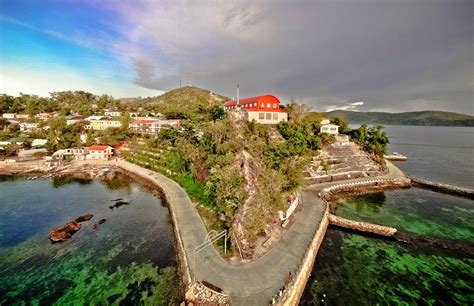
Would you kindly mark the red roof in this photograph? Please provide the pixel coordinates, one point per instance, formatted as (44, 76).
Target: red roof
(98, 148)
(266, 103)
(144, 121)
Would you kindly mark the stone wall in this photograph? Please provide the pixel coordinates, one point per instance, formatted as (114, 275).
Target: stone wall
(465, 192)
(362, 226)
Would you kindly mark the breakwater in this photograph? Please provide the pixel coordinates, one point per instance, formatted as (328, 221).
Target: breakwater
(364, 186)
(440, 187)
(362, 226)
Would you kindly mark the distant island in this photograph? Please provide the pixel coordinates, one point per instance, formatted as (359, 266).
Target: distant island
(423, 118)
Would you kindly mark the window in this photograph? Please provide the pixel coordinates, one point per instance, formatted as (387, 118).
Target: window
(274, 106)
(275, 116)
(261, 116)
(262, 105)
(268, 105)
(268, 116)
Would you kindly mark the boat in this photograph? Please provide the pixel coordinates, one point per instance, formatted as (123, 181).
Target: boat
(395, 157)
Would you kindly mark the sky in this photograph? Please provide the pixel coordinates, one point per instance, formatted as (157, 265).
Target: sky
(362, 55)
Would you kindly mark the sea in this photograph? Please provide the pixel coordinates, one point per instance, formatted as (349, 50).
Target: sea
(128, 260)
(434, 268)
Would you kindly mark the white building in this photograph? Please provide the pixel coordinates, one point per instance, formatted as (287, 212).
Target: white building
(39, 142)
(100, 152)
(74, 153)
(151, 127)
(330, 129)
(112, 113)
(9, 115)
(27, 126)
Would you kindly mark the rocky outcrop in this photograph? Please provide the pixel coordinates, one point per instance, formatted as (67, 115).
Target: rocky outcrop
(64, 233)
(84, 218)
(118, 204)
(200, 294)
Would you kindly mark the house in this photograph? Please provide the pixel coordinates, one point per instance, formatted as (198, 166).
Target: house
(325, 121)
(44, 116)
(22, 116)
(330, 129)
(263, 109)
(99, 152)
(9, 115)
(28, 126)
(151, 127)
(74, 119)
(39, 142)
(112, 112)
(101, 123)
(73, 153)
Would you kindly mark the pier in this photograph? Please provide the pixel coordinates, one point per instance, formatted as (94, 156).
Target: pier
(362, 226)
(440, 187)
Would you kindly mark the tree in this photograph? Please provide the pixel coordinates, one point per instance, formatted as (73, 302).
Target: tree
(297, 111)
(342, 123)
(217, 112)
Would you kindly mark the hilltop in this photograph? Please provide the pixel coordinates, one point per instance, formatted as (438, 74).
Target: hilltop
(423, 118)
(186, 103)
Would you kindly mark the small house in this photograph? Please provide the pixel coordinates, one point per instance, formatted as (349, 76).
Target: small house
(100, 152)
(331, 129)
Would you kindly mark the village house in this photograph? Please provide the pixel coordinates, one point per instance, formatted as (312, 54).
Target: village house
(73, 153)
(44, 116)
(9, 115)
(101, 123)
(112, 112)
(330, 129)
(22, 116)
(32, 154)
(151, 127)
(99, 152)
(38, 142)
(28, 126)
(74, 119)
(263, 109)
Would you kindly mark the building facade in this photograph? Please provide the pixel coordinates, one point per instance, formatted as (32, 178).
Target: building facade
(103, 124)
(99, 152)
(151, 127)
(263, 109)
(330, 129)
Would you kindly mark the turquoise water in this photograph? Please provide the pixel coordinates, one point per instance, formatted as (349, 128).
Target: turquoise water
(130, 259)
(361, 270)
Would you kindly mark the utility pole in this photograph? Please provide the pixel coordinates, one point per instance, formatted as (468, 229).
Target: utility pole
(238, 98)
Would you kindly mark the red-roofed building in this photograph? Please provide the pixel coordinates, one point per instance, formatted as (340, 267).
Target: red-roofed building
(263, 109)
(100, 152)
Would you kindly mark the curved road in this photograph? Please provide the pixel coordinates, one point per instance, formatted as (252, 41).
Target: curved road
(255, 282)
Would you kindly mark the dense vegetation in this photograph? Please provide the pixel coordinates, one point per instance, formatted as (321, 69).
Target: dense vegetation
(428, 118)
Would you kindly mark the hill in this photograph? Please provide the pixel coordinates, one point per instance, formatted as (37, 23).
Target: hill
(424, 118)
(186, 103)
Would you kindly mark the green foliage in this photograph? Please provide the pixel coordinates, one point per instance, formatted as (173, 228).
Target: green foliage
(217, 112)
(342, 123)
(62, 136)
(373, 139)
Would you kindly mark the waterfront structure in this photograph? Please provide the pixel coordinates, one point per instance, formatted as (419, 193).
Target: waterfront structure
(330, 129)
(79, 153)
(30, 154)
(99, 152)
(263, 109)
(152, 126)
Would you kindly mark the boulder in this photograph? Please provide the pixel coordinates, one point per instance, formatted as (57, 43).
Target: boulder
(64, 233)
(101, 221)
(85, 217)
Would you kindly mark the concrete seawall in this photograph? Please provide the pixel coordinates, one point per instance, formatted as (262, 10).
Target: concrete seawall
(465, 192)
(362, 226)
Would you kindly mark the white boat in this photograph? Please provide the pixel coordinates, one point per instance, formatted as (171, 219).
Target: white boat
(395, 157)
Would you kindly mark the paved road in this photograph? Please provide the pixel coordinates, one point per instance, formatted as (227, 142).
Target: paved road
(256, 282)
(252, 283)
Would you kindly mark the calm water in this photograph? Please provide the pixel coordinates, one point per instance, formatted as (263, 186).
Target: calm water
(130, 259)
(351, 269)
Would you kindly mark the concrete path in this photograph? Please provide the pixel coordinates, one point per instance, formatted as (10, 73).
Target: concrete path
(252, 283)
(255, 282)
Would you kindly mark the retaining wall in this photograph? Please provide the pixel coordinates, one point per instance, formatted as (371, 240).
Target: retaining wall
(295, 290)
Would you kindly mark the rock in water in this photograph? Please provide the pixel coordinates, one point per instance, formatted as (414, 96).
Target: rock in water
(94, 226)
(118, 204)
(101, 221)
(115, 200)
(85, 217)
(64, 233)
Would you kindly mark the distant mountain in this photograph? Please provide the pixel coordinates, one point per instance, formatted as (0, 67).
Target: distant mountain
(424, 118)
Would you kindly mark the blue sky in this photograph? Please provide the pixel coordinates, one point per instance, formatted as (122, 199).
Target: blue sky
(392, 55)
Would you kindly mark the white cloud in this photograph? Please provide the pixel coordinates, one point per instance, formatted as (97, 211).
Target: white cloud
(14, 80)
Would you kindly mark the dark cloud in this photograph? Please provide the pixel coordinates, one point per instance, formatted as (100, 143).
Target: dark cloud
(393, 55)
